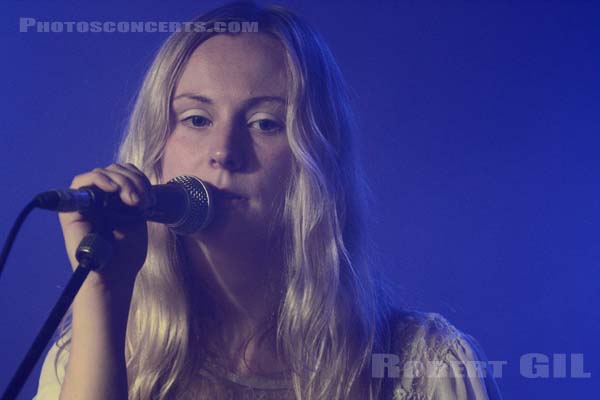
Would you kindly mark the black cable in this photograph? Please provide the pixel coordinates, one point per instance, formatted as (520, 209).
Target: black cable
(13, 232)
(45, 334)
(94, 251)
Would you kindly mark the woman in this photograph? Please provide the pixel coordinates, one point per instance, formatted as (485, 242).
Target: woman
(277, 298)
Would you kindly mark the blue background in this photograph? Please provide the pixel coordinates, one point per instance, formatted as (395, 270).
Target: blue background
(480, 132)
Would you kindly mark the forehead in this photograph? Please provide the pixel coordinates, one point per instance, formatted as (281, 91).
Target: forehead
(236, 66)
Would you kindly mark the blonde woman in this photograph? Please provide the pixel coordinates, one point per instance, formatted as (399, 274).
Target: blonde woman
(277, 299)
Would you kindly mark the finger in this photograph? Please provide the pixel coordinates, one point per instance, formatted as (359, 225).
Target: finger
(128, 192)
(134, 173)
(148, 199)
(97, 177)
(136, 177)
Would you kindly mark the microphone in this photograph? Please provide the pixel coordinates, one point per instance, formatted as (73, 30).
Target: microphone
(184, 204)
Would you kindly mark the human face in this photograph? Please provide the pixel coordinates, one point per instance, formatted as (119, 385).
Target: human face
(229, 109)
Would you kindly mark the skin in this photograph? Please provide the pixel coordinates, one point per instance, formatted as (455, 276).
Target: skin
(235, 142)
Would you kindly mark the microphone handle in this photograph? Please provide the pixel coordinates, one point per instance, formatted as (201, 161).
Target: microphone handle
(170, 201)
(185, 204)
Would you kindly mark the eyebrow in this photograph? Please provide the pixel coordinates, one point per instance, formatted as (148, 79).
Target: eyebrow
(247, 103)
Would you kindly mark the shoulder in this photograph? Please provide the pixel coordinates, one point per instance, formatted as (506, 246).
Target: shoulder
(422, 331)
(435, 360)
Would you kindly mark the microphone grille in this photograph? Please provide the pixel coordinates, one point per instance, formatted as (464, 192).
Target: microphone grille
(200, 205)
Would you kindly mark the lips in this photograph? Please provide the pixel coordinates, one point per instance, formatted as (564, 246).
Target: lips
(225, 194)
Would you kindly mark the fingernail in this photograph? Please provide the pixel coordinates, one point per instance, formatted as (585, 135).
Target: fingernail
(134, 197)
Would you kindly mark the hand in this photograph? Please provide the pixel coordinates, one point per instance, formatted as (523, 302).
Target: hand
(131, 241)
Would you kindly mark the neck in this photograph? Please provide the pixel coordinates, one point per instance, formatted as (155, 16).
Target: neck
(245, 286)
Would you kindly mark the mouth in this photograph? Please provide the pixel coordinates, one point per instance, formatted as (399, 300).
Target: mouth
(227, 195)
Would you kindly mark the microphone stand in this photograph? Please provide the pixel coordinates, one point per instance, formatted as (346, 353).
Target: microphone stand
(93, 252)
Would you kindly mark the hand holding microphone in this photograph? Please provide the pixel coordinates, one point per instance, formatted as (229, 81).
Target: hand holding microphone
(103, 218)
(184, 204)
(122, 196)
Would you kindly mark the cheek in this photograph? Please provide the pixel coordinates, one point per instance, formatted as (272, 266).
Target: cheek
(283, 167)
(176, 158)
(278, 169)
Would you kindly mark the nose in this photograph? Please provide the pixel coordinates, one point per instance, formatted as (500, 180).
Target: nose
(226, 148)
(224, 159)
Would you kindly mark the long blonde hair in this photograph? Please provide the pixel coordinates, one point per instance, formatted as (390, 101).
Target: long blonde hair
(333, 313)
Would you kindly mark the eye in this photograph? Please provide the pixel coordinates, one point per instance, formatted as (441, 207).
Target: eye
(196, 121)
(267, 125)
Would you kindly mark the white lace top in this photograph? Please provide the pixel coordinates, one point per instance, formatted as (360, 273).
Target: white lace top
(439, 361)
(432, 360)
